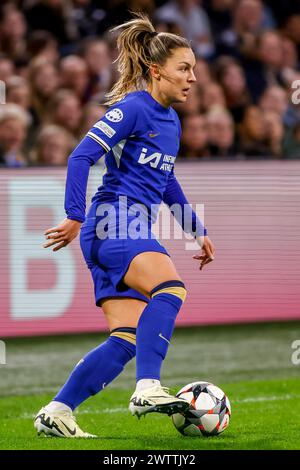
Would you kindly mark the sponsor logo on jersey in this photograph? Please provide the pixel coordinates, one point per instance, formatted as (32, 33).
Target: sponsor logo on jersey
(157, 160)
(153, 134)
(105, 128)
(114, 115)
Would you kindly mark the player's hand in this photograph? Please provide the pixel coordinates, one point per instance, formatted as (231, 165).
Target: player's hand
(208, 252)
(62, 235)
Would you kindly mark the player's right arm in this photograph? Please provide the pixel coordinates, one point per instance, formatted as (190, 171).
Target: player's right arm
(86, 154)
(117, 124)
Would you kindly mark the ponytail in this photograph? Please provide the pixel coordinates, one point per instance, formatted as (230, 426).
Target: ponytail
(139, 46)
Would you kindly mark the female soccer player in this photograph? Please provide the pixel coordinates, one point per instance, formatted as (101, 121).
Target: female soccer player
(135, 280)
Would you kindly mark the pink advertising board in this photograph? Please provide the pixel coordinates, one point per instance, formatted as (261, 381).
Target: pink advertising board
(251, 209)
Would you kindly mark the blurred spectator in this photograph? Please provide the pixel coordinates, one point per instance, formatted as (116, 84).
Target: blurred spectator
(167, 27)
(290, 54)
(270, 51)
(43, 44)
(202, 73)
(253, 136)
(92, 112)
(230, 75)
(213, 95)
(51, 15)
(89, 18)
(282, 9)
(194, 136)
(193, 21)
(220, 15)
(43, 81)
(18, 92)
(192, 105)
(7, 68)
(292, 29)
(266, 68)
(291, 64)
(65, 110)
(95, 52)
(14, 122)
(220, 127)
(246, 25)
(275, 132)
(275, 99)
(74, 76)
(12, 32)
(268, 20)
(53, 146)
(57, 62)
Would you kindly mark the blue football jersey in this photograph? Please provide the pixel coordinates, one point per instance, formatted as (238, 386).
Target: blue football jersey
(141, 138)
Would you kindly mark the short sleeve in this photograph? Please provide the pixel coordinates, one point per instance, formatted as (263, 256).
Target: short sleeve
(118, 123)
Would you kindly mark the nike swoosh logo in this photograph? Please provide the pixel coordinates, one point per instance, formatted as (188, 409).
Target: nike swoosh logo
(162, 337)
(152, 134)
(46, 422)
(72, 432)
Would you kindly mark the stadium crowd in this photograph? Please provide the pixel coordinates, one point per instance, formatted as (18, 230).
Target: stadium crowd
(56, 60)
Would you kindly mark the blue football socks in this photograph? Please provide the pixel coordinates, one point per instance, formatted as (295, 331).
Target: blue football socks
(149, 342)
(155, 328)
(98, 368)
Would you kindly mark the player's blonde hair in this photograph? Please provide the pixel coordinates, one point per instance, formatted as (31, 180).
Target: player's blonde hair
(139, 46)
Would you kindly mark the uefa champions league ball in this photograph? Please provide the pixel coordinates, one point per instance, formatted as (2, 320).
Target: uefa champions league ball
(209, 410)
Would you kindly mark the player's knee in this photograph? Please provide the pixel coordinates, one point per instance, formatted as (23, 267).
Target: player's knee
(174, 288)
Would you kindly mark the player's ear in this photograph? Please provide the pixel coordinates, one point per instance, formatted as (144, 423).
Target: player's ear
(154, 71)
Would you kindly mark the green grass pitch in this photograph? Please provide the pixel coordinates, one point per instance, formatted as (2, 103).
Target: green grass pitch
(251, 363)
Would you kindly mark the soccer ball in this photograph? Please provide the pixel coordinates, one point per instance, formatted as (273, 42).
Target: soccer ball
(209, 410)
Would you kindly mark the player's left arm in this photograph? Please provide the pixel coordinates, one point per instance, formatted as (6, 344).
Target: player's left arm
(189, 220)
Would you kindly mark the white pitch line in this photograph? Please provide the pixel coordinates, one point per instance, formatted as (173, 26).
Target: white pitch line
(125, 409)
(262, 399)
(86, 411)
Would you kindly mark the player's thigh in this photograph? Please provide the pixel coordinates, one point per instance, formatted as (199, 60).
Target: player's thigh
(122, 312)
(149, 269)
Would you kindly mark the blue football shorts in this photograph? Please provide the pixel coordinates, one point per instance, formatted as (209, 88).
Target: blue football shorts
(109, 259)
